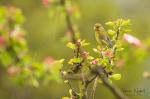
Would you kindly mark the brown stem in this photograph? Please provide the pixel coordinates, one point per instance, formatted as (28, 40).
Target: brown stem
(68, 22)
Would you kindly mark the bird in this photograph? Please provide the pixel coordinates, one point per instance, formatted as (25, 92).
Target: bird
(102, 36)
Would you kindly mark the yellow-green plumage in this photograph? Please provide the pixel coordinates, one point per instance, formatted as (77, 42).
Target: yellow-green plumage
(102, 36)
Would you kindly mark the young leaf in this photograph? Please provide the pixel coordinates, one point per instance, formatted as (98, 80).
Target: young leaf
(66, 98)
(116, 76)
(111, 32)
(71, 45)
(110, 24)
(83, 43)
(55, 70)
(126, 22)
(74, 60)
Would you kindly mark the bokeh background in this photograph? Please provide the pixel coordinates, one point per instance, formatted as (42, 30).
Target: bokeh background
(44, 37)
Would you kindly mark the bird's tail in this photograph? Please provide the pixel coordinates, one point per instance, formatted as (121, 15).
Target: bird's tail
(109, 42)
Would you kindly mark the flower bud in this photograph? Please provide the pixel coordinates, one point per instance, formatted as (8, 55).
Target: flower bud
(94, 62)
(85, 54)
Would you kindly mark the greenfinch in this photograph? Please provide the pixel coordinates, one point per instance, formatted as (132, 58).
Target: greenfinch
(102, 36)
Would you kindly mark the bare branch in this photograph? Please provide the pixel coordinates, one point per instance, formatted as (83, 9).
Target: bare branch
(68, 22)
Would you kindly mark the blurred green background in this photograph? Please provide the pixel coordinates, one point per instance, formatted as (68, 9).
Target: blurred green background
(44, 36)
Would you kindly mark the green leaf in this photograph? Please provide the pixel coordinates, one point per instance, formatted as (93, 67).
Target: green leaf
(90, 58)
(71, 45)
(111, 32)
(34, 82)
(6, 58)
(110, 24)
(18, 17)
(55, 70)
(126, 22)
(116, 76)
(2, 15)
(120, 49)
(74, 60)
(83, 43)
(66, 98)
(95, 50)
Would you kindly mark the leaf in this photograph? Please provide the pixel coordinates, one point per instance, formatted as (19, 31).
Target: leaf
(55, 70)
(65, 98)
(120, 49)
(95, 50)
(83, 43)
(110, 24)
(34, 82)
(126, 22)
(74, 60)
(71, 45)
(90, 58)
(116, 76)
(6, 58)
(111, 32)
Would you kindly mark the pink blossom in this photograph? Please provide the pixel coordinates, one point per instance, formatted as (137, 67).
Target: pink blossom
(13, 70)
(108, 54)
(85, 54)
(94, 62)
(132, 40)
(2, 40)
(45, 3)
(48, 60)
(17, 33)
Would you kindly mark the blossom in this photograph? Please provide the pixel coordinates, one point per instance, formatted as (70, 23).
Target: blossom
(48, 60)
(13, 70)
(94, 62)
(45, 3)
(108, 54)
(2, 40)
(132, 40)
(17, 33)
(85, 54)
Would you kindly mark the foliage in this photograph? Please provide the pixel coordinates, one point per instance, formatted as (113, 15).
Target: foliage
(14, 52)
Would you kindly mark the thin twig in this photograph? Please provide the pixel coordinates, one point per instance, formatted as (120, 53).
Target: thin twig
(84, 90)
(94, 88)
(116, 38)
(68, 21)
(89, 81)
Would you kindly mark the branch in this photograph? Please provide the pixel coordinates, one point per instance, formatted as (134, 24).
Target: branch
(68, 22)
(94, 88)
(116, 38)
(117, 92)
(74, 76)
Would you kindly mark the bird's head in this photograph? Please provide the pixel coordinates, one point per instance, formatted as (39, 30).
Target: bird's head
(98, 27)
